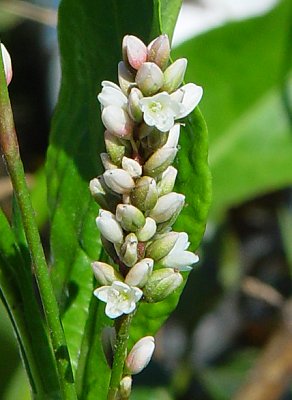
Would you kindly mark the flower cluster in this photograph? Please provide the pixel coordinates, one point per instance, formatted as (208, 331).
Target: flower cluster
(135, 193)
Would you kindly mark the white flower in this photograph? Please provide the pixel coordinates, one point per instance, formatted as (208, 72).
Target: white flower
(178, 257)
(160, 110)
(111, 95)
(189, 96)
(140, 355)
(120, 298)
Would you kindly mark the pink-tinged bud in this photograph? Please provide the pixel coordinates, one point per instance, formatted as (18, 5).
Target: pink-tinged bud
(159, 51)
(134, 108)
(109, 226)
(140, 355)
(161, 284)
(147, 231)
(126, 78)
(130, 217)
(115, 147)
(129, 250)
(159, 161)
(162, 245)
(174, 75)
(144, 195)
(167, 206)
(132, 167)
(167, 181)
(107, 162)
(117, 121)
(7, 64)
(105, 274)
(134, 51)
(119, 180)
(139, 273)
(149, 78)
(125, 387)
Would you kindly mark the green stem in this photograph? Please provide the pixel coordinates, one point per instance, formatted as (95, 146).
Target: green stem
(120, 354)
(9, 143)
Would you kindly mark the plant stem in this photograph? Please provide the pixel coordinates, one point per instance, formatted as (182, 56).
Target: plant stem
(120, 354)
(9, 143)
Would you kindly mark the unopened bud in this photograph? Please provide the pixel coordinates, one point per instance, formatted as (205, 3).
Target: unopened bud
(168, 205)
(149, 78)
(105, 274)
(126, 78)
(132, 167)
(125, 387)
(119, 180)
(174, 75)
(115, 147)
(144, 195)
(109, 226)
(161, 284)
(106, 198)
(128, 251)
(173, 136)
(107, 162)
(159, 161)
(134, 108)
(161, 246)
(7, 63)
(156, 139)
(167, 181)
(139, 273)
(134, 51)
(140, 355)
(147, 231)
(159, 51)
(130, 217)
(117, 121)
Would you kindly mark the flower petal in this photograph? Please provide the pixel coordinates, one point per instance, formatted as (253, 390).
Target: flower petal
(191, 96)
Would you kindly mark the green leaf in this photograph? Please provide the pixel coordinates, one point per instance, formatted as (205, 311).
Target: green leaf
(166, 13)
(241, 67)
(18, 295)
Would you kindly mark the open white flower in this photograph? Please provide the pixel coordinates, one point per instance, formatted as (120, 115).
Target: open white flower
(120, 298)
(112, 95)
(178, 257)
(160, 110)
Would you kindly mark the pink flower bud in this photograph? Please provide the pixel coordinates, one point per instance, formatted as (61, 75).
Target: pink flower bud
(149, 78)
(140, 355)
(134, 51)
(7, 64)
(117, 121)
(159, 51)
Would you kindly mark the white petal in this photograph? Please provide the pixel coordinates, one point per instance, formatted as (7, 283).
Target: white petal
(111, 94)
(112, 311)
(102, 293)
(192, 95)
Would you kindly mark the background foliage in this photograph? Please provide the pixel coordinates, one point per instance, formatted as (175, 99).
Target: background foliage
(245, 69)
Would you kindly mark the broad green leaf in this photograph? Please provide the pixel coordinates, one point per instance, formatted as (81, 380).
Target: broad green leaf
(241, 67)
(166, 13)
